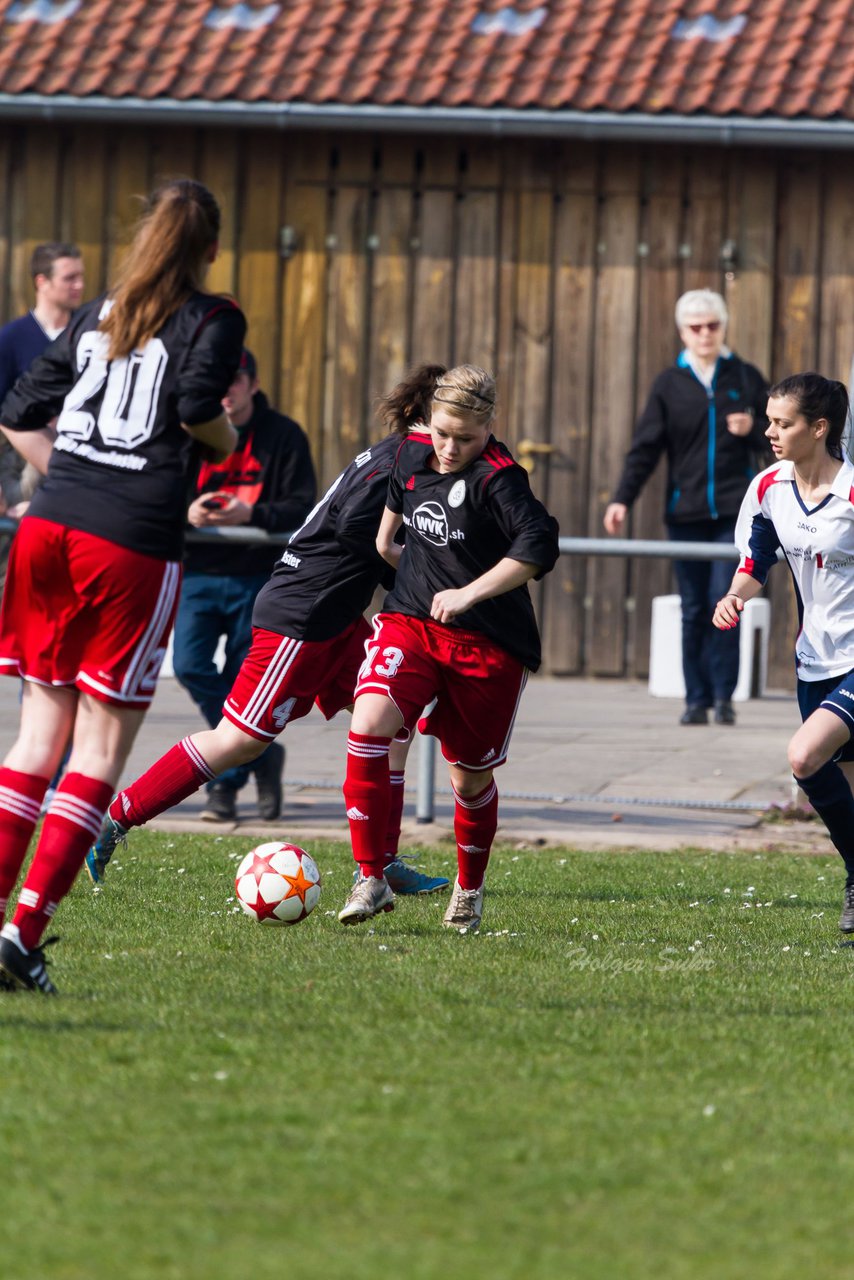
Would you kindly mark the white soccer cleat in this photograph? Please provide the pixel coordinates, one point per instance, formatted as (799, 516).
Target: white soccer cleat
(464, 910)
(368, 897)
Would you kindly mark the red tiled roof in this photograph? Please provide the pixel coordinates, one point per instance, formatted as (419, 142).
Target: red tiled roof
(750, 58)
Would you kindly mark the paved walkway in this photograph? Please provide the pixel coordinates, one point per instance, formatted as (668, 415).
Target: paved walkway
(594, 764)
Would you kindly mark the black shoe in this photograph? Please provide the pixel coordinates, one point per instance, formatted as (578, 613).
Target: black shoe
(221, 804)
(26, 968)
(268, 769)
(694, 714)
(846, 920)
(724, 713)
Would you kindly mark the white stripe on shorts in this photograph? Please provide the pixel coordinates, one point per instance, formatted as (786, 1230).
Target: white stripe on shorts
(267, 686)
(502, 754)
(842, 712)
(140, 664)
(115, 695)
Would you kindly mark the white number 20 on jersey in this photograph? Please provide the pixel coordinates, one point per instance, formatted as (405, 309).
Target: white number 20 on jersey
(128, 409)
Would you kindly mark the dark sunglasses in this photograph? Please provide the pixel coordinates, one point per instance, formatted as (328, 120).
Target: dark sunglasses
(711, 325)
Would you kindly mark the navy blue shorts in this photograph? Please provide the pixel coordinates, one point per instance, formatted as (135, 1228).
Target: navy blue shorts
(836, 695)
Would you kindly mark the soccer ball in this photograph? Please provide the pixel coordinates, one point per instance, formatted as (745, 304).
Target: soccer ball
(277, 884)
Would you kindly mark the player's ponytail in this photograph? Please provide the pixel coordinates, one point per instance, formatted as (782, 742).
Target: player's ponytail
(817, 397)
(467, 392)
(408, 404)
(167, 260)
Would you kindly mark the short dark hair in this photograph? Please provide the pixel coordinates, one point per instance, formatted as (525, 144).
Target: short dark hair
(45, 255)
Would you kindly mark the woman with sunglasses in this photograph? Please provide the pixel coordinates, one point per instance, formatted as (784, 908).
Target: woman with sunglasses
(707, 413)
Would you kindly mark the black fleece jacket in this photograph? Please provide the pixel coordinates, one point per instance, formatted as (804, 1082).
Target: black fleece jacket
(708, 468)
(271, 470)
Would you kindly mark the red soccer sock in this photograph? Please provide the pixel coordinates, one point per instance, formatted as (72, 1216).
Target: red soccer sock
(72, 823)
(475, 824)
(395, 815)
(367, 797)
(21, 796)
(169, 781)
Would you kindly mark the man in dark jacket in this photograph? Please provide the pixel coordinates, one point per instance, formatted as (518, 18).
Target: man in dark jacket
(707, 413)
(57, 272)
(267, 483)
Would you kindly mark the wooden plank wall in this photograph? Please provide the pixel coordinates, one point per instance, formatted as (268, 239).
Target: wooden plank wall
(556, 264)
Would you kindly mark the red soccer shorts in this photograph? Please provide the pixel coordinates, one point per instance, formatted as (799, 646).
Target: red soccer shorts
(83, 612)
(477, 685)
(282, 678)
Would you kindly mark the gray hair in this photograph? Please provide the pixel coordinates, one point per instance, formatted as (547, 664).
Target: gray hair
(700, 302)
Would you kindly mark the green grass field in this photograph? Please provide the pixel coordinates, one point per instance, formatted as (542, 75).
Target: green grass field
(636, 1069)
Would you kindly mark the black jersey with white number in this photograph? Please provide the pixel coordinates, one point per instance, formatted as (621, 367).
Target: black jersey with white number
(459, 525)
(331, 568)
(119, 465)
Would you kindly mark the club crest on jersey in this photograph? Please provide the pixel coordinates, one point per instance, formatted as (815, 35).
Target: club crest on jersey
(457, 496)
(431, 522)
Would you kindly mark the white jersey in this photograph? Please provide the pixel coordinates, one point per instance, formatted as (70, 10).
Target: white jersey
(818, 543)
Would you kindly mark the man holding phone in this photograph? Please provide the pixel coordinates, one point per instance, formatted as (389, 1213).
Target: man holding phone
(267, 483)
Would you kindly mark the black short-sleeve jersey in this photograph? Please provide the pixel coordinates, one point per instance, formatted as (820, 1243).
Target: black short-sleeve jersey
(119, 465)
(458, 526)
(331, 568)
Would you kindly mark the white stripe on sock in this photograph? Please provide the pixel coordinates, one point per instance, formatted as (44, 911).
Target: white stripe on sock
(479, 802)
(19, 804)
(80, 812)
(197, 758)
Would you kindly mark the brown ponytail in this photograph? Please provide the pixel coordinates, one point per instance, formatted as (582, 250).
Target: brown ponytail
(165, 263)
(408, 404)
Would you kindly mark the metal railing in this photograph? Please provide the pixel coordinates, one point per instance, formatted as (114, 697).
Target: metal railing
(644, 547)
(425, 809)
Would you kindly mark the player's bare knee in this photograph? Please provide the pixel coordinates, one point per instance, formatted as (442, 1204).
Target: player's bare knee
(249, 749)
(376, 716)
(466, 783)
(237, 747)
(804, 759)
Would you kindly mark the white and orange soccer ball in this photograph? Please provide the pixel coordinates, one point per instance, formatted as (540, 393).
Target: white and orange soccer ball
(277, 883)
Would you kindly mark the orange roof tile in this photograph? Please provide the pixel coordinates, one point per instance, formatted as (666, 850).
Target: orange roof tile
(750, 58)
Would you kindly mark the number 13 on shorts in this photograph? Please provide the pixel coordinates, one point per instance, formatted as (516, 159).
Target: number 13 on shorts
(392, 658)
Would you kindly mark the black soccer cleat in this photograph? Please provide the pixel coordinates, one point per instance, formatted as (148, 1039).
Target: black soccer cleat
(26, 969)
